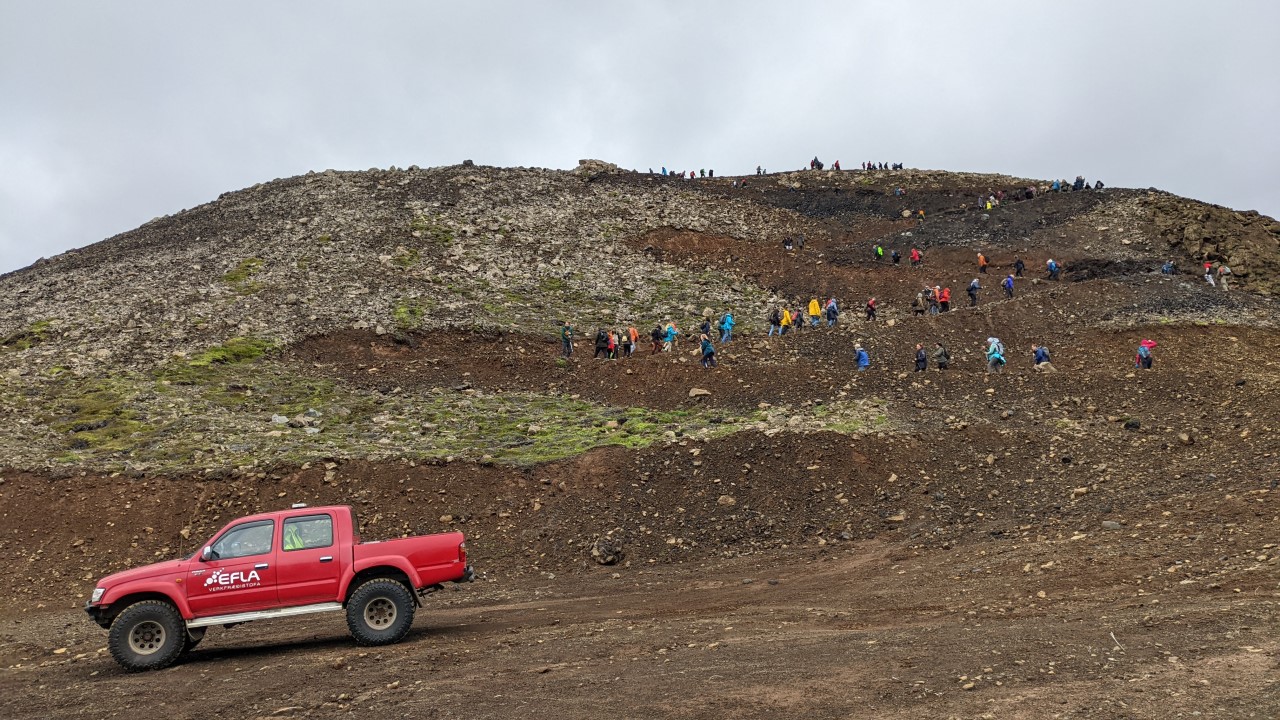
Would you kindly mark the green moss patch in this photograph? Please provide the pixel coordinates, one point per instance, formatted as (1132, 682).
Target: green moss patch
(241, 277)
(28, 337)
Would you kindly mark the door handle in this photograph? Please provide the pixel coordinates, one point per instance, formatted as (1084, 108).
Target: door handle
(260, 566)
(326, 558)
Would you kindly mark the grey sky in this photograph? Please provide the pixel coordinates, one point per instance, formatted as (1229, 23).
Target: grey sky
(112, 113)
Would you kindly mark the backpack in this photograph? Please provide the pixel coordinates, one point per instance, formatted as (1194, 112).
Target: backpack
(775, 318)
(1143, 352)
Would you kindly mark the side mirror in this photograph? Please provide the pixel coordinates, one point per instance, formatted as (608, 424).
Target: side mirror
(206, 554)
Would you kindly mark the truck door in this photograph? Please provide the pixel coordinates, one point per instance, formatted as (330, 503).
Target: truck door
(240, 573)
(309, 565)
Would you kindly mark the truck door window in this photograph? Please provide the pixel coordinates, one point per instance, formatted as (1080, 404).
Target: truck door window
(251, 538)
(308, 532)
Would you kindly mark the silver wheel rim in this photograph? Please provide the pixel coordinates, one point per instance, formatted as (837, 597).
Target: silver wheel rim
(380, 613)
(147, 637)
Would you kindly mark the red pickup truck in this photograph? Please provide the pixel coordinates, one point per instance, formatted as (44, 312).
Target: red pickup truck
(279, 564)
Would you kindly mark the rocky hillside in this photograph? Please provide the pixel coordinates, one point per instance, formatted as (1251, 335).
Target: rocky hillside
(191, 342)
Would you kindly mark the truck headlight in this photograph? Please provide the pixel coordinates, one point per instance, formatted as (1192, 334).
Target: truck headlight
(97, 594)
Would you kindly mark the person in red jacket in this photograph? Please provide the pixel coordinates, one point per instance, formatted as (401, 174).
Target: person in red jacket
(944, 299)
(871, 309)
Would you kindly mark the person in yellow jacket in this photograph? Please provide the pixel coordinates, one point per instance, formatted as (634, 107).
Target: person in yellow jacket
(815, 312)
(787, 319)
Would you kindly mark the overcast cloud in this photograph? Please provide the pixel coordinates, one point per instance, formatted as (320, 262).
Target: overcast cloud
(112, 113)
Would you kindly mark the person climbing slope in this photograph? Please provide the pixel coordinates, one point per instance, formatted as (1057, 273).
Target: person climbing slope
(815, 312)
(1007, 284)
(995, 355)
(922, 360)
(1144, 359)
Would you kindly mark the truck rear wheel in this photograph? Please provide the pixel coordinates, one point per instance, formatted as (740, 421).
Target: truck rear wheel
(147, 635)
(380, 612)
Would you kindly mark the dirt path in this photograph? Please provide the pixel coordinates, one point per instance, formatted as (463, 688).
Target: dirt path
(869, 630)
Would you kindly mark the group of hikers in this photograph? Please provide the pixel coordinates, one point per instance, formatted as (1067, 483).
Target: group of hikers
(612, 344)
(783, 320)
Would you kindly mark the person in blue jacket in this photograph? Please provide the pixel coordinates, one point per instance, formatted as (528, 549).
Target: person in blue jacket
(1007, 284)
(708, 353)
(726, 327)
(864, 360)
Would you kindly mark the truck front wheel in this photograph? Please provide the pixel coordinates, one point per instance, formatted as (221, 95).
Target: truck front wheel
(380, 612)
(147, 635)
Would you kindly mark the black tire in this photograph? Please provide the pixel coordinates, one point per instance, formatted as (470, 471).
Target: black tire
(147, 635)
(380, 612)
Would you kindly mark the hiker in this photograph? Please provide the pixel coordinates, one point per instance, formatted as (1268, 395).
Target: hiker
(726, 327)
(1208, 276)
(871, 308)
(1143, 359)
(920, 215)
(944, 299)
(1168, 268)
(941, 358)
(1223, 273)
(711, 173)
(775, 322)
(1018, 266)
(864, 360)
(633, 340)
(602, 344)
(759, 171)
(922, 360)
(669, 338)
(917, 258)
(918, 304)
(1041, 361)
(982, 264)
(786, 321)
(566, 339)
(1008, 287)
(935, 303)
(1053, 269)
(708, 353)
(995, 355)
(974, 287)
(835, 165)
(879, 252)
(656, 336)
(833, 312)
(786, 244)
(895, 256)
(815, 312)
(705, 327)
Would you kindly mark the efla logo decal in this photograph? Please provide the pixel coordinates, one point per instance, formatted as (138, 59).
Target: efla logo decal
(223, 580)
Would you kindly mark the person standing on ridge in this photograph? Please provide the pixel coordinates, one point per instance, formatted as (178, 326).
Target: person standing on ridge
(974, 287)
(922, 360)
(1007, 284)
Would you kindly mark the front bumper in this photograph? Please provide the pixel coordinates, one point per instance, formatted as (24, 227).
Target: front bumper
(99, 613)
